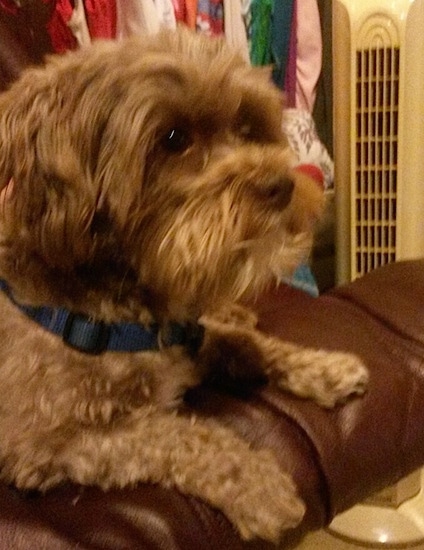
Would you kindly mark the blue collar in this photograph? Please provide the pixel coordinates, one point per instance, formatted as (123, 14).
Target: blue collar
(96, 337)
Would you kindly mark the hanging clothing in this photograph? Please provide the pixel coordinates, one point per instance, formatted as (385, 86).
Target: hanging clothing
(280, 38)
(101, 18)
(61, 35)
(180, 10)
(78, 24)
(136, 17)
(166, 14)
(300, 129)
(210, 17)
(191, 13)
(309, 53)
(236, 33)
(261, 32)
(290, 76)
(323, 108)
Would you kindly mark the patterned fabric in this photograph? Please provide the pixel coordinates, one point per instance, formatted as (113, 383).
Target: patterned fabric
(210, 17)
(299, 126)
(300, 129)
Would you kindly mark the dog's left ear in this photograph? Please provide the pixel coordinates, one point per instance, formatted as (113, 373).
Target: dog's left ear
(47, 198)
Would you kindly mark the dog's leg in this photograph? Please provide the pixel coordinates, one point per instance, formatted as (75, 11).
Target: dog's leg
(325, 376)
(232, 314)
(200, 458)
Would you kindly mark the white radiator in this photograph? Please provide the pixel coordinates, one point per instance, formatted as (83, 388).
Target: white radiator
(378, 56)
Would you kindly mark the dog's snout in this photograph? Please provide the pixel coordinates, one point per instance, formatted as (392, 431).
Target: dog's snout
(276, 192)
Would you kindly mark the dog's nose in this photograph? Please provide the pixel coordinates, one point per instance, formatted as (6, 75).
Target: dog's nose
(276, 192)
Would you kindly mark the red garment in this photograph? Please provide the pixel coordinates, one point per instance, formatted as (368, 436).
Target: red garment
(101, 18)
(180, 10)
(191, 13)
(60, 34)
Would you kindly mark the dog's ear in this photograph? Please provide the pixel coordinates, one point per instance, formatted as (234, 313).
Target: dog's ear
(27, 110)
(52, 201)
(74, 139)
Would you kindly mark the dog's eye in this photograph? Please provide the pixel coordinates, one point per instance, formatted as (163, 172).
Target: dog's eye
(245, 130)
(176, 140)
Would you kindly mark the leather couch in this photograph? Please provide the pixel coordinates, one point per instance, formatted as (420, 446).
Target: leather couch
(337, 457)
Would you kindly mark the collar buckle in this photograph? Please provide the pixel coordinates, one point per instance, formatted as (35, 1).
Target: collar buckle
(84, 335)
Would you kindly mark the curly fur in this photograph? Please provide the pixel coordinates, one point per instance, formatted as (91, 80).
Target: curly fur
(149, 181)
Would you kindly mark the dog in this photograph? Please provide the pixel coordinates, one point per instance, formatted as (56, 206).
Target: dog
(146, 190)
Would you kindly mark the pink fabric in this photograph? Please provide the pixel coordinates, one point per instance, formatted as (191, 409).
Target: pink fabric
(309, 53)
(136, 17)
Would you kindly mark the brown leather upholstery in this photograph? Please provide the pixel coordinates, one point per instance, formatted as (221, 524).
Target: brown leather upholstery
(337, 457)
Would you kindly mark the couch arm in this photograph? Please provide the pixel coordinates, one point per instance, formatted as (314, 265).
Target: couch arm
(337, 457)
(373, 441)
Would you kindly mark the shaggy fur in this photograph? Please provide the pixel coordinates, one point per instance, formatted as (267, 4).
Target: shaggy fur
(149, 181)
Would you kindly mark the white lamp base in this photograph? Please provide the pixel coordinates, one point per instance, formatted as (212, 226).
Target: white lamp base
(382, 526)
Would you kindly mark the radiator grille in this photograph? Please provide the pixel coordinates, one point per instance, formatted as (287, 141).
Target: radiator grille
(376, 158)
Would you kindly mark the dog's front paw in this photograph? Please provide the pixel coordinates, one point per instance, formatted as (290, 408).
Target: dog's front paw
(264, 503)
(327, 377)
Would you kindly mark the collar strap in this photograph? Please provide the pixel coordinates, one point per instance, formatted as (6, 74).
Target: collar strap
(96, 337)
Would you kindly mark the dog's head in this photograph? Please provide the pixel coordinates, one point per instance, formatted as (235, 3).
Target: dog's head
(149, 172)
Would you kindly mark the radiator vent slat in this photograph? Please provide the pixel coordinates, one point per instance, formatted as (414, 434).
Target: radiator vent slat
(376, 157)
